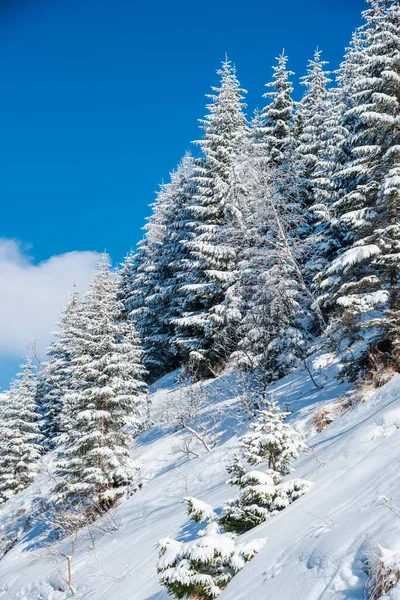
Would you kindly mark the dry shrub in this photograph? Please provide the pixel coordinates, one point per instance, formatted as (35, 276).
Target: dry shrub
(322, 418)
(383, 568)
(325, 416)
(382, 366)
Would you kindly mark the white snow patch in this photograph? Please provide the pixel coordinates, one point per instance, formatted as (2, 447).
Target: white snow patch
(353, 256)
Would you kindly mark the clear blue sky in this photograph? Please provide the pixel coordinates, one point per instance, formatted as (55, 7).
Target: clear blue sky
(100, 98)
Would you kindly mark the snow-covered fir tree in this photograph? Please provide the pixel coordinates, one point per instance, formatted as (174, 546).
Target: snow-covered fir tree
(274, 127)
(213, 269)
(56, 374)
(275, 339)
(362, 280)
(310, 115)
(264, 493)
(331, 179)
(307, 144)
(171, 265)
(274, 301)
(106, 398)
(138, 288)
(151, 277)
(326, 127)
(270, 254)
(203, 567)
(272, 440)
(41, 395)
(346, 75)
(20, 439)
(128, 290)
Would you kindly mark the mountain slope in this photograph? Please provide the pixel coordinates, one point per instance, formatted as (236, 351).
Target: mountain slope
(315, 548)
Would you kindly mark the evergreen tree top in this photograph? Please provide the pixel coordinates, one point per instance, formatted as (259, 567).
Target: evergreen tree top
(315, 81)
(226, 111)
(281, 78)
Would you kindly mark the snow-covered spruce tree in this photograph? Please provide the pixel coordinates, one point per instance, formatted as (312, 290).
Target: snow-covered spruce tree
(151, 277)
(56, 374)
(154, 326)
(347, 75)
(106, 398)
(307, 132)
(213, 268)
(274, 299)
(127, 287)
(274, 126)
(330, 232)
(171, 266)
(138, 288)
(325, 183)
(362, 280)
(202, 568)
(310, 116)
(41, 394)
(283, 217)
(273, 441)
(273, 137)
(20, 440)
(264, 493)
(275, 324)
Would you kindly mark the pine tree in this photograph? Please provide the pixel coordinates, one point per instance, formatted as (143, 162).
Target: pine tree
(330, 182)
(127, 289)
(107, 394)
(213, 267)
(275, 303)
(56, 375)
(273, 441)
(276, 119)
(41, 395)
(274, 334)
(362, 279)
(264, 493)
(153, 316)
(170, 264)
(203, 567)
(151, 277)
(310, 112)
(20, 440)
(176, 257)
(137, 291)
(325, 182)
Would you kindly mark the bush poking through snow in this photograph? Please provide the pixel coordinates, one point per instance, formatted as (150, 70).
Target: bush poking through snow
(324, 417)
(262, 495)
(383, 568)
(199, 511)
(202, 568)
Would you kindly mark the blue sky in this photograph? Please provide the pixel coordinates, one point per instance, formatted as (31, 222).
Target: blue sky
(100, 99)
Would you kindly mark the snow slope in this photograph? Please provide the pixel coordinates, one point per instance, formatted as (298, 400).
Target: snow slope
(315, 548)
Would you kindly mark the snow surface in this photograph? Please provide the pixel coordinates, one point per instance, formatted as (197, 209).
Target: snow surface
(315, 549)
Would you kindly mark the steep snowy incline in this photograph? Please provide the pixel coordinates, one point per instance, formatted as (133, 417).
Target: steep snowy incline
(314, 548)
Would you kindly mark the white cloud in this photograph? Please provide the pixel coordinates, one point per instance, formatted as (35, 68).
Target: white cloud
(33, 295)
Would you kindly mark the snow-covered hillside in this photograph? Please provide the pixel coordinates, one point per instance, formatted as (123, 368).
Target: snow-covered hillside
(315, 549)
